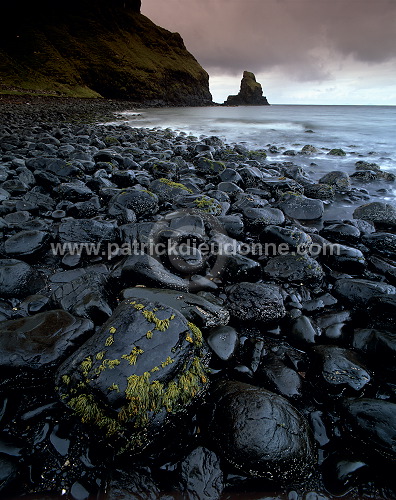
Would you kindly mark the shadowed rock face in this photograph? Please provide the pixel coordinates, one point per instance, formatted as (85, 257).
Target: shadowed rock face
(250, 94)
(94, 48)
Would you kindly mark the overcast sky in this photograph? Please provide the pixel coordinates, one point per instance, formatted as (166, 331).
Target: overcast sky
(302, 51)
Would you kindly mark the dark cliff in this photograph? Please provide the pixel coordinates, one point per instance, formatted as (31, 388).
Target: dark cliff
(250, 94)
(89, 48)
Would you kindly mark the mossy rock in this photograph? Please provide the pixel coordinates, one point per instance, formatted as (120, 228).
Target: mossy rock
(337, 152)
(208, 166)
(146, 364)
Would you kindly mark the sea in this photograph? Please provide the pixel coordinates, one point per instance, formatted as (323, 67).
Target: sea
(363, 132)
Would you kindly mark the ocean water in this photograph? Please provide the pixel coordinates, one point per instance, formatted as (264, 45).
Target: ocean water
(363, 132)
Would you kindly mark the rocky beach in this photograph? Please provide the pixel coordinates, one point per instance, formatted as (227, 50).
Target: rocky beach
(178, 320)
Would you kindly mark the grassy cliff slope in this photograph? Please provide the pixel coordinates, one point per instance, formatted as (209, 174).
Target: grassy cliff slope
(91, 48)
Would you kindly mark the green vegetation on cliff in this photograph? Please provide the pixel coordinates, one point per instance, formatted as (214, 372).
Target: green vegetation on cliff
(97, 48)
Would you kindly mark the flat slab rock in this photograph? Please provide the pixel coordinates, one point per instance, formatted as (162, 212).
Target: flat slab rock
(42, 341)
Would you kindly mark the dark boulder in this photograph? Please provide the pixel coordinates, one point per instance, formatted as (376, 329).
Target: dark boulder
(18, 279)
(371, 424)
(301, 208)
(337, 369)
(255, 302)
(41, 342)
(193, 307)
(26, 244)
(357, 292)
(377, 212)
(294, 268)
(145, 364)
(381, 243)
(200, 475)
(338, 179)
(260, 434)
(223, 341)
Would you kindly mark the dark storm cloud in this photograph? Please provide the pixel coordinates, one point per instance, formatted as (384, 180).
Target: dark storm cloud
(302, 36)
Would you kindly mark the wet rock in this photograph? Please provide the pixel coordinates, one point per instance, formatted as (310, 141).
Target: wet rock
(341, 233)
(168, 191)
(207, 166)
(194, 308)
(357, 292)
(382, 311)
(372, 424)
(301, 208)
(302, 331)
(74, 191)
(259, 433)
(337, 152)
(320, 191)
(145, 364)
(294, 238)
(275, 375)
(381, 243)
(342, 474)
(379, 345)
(258, 218)
(377, 212)
(240, 268)
(8, 471)
(294, 269)
(255, 302)
(223, 341)
(200, 475)
(41, 342)
(338, 179)
(309, 149)
(132, 485)
(26, 244)
(344, 258)
(338, 369)
(233, 225)
(146, 270)
(142, 202)
(83, 293)
(87, 231)
(18, 279)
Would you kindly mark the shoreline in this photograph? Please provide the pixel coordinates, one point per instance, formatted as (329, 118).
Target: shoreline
(306, 332)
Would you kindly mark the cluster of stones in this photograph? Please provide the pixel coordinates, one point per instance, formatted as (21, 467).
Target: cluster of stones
(116, 368)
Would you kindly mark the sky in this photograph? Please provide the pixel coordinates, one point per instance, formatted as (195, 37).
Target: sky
(301, 51)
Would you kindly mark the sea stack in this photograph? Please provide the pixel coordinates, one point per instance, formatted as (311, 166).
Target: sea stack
(250, 94)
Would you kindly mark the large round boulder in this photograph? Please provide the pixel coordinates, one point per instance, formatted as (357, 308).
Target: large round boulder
(260, 434)
(145, 364)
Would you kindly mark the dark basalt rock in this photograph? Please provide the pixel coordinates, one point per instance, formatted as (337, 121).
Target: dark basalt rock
(382, 311)
(200, 475)
(74, 191)
(132, 485)
(294, 269)
(377, 212)
(146, 270)
(26, 244)
(381, 243)
(292, 236)
(259, 433)
(338, 179)
(194, 308)
(223, 341)
(357, 292)
(87, 231)
(341, 233)
(337, 369)
(18, 279)
(143, 203)
(143, 365)
(343, 258)
(250, 94)
(40, 342)
(255, 302)
(301, 208)
(379, 345)
(372, 424)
